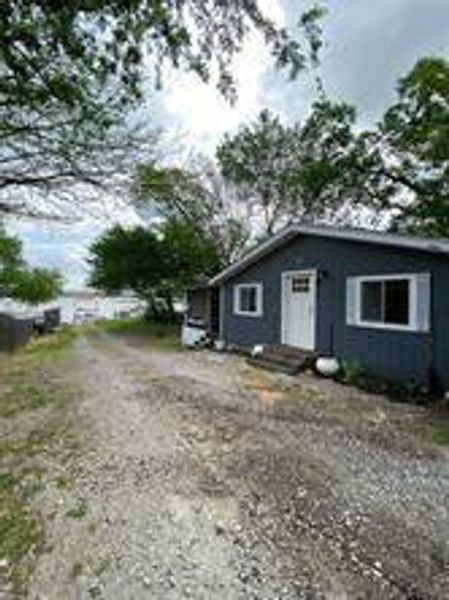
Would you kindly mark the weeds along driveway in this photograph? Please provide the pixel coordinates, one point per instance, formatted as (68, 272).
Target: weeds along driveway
(201, 477)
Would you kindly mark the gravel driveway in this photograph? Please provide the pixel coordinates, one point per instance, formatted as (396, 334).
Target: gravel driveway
(201, 477)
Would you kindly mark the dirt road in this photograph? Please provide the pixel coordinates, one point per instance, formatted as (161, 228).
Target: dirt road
(201, 477)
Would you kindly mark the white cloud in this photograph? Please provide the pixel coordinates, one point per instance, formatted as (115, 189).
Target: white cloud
(199, 114)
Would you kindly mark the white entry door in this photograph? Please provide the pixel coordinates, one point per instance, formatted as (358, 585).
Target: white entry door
(298, 309)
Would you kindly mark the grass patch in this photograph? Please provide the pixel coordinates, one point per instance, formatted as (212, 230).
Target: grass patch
(21, 535)
(7, 482)
(21, 530)
(29, 387)
(158, 333)
(102, 566)
(440, 434)
(52, 342)
(77, 569)
(41, 440)
(63, 482)
(21, 397)
(37, 401)
(79, 511)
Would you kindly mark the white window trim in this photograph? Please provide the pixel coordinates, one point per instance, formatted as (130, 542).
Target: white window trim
(412, 308)
(259, 300)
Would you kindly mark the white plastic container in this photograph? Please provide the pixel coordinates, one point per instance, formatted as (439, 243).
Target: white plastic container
(327, 366)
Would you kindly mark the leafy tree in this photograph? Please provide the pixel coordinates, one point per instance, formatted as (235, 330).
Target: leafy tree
(200, 200)
(20, 282)
(71, 69)
(34, 285)
(127, 259)
(337, 168)
(305, 171)
(259, 160)
(415, 133)
(273, 173)
(157, 265)
(323, 169)
(58, 107)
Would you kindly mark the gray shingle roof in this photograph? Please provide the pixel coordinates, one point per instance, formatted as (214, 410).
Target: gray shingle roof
(437, 246)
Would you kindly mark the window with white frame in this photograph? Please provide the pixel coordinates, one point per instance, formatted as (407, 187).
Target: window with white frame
(389, 301)
(248, 299)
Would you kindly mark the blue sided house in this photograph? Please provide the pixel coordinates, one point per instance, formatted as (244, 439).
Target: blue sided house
(381, 300)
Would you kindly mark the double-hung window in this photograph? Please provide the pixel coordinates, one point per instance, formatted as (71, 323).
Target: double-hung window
(389, 301)
(248, 299)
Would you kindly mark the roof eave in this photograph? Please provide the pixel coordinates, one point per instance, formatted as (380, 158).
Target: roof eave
(384, 239)
(258, 252)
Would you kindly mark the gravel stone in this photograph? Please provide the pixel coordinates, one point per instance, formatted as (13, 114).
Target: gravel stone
(206, 478)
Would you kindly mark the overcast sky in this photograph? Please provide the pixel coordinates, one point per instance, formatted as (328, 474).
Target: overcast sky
(369, 45)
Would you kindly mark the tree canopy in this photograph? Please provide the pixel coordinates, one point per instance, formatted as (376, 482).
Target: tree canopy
(302, 171)
(415, 133)
(322, 170)
(326, 169)
(72, 70)
(20, 282)
(157, 265)
(201, 200)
